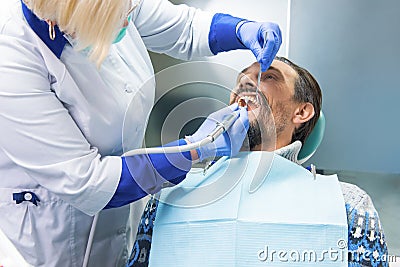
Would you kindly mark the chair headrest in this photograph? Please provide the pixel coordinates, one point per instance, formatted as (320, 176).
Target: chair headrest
(313, 140)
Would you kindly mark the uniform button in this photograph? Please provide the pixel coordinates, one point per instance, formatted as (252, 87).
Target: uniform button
(128, 89)
(121, 231)
(28, 196)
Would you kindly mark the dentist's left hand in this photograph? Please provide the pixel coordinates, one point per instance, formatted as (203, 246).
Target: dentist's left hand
(230, 142)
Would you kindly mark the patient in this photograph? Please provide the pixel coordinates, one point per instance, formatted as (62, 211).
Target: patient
(295, 99)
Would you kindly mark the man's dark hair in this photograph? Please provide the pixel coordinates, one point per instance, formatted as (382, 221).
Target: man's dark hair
(306, 89)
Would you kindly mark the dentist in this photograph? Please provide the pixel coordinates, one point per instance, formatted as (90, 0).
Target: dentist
(68, 72)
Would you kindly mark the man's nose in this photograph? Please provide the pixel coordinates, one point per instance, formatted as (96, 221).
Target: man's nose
(246, 83)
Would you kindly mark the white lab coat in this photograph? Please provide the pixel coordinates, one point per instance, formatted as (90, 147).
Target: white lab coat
(61, 127)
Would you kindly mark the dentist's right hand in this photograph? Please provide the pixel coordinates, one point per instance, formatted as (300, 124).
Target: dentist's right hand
(230, 142)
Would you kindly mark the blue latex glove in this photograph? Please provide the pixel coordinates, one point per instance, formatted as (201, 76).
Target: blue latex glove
(263, 39)
(230, 142)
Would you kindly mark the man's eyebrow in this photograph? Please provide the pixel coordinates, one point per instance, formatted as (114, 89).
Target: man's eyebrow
(277, 70)
(270, 68)
(243, 72)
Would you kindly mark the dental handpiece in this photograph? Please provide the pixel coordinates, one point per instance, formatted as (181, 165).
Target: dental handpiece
(221, 127)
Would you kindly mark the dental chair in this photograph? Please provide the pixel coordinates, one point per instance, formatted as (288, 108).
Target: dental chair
(313, 141)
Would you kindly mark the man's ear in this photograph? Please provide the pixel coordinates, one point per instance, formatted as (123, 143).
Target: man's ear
(303, 113)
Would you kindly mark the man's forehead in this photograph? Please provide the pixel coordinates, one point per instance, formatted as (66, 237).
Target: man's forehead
(282, 67)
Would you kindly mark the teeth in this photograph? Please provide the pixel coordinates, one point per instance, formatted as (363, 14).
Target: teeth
(244, 100)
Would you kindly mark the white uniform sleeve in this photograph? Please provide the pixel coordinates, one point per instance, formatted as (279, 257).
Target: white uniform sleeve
(40, 137)
(176, 30)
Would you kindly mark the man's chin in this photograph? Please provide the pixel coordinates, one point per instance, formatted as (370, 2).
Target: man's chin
(254, 116)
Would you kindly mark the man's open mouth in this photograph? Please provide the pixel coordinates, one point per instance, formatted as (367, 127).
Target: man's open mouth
(248, 99)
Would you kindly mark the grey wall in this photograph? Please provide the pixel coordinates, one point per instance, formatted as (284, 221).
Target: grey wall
(352, 47)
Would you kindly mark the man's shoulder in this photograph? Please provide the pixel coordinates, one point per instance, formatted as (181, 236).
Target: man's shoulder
(362, 216)
(356, 198)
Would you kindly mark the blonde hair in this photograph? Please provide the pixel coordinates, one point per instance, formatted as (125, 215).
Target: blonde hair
(94, 23)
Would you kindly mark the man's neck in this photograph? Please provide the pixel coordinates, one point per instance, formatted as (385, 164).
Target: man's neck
(289, 151)
(280, 142)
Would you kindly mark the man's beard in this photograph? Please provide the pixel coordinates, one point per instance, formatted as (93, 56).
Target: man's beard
(254, 135)
(267, 127)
